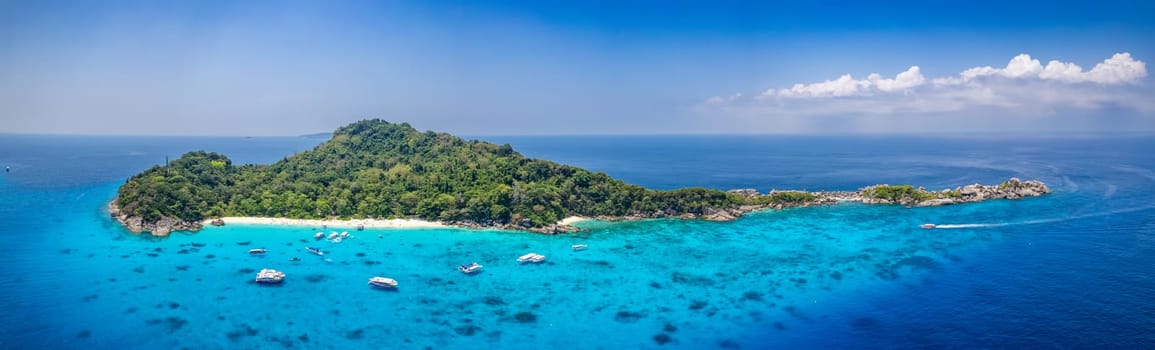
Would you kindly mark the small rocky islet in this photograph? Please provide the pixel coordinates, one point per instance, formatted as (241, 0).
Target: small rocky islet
(376, 169)
(904, 195)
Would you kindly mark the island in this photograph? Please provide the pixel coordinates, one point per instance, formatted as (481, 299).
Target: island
(374, 169)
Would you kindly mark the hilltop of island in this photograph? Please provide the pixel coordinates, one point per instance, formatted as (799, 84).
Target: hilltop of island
(380, 170)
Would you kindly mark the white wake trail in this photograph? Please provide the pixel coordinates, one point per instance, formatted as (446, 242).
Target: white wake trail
(950, 226)
(1047, 221)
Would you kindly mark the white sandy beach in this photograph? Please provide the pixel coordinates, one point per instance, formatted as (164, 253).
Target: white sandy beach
(572, 220)
(367, 223)
(353, 223)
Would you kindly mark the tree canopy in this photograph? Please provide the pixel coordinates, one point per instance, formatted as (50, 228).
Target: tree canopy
(377, 169)
(897, 193)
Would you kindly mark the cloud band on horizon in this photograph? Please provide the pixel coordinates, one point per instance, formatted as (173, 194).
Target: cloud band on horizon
(1024, 86)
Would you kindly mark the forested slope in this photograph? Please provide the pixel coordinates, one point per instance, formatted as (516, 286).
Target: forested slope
(378, 169)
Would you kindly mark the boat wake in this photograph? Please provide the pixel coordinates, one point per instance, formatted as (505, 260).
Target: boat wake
(950, 226)
(1046, 221)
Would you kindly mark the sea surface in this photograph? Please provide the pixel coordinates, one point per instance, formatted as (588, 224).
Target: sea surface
(1068, 270)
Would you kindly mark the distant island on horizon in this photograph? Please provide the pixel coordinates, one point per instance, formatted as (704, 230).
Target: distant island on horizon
(374, 169)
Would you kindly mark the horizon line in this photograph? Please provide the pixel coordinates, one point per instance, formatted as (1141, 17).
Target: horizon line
(923, 133)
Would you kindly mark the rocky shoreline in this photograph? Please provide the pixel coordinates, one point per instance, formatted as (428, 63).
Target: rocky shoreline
(160, 228)
(904, 195)
(1010, 189)
(1013, 188)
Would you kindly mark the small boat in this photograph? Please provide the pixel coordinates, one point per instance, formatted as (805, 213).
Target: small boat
(315, 250)
(470, 268)
(382, 282)
(319, 235)
(577, 247)
(360, 227)
(531, 257)
(333, 235)
(270, 276)
(294, 259)
(927, 226)
(257, 251)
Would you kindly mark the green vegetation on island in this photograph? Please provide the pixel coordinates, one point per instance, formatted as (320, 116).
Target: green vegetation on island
(785, 198)
(908, 195)
(897, 193)
(378, 169)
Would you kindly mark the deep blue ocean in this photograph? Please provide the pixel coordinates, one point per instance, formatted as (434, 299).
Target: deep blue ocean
(1068, 270)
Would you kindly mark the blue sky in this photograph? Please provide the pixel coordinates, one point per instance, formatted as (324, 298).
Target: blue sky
(580, 67)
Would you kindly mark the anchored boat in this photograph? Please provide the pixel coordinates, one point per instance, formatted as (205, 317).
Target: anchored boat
(315, 250)
(470, 268)
(531, 257)
(257, 251)
(577, 247)
(270, 276)
(382, 282)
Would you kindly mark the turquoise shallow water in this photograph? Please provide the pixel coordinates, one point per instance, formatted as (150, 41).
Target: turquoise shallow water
(1055, 271)
(695, 282)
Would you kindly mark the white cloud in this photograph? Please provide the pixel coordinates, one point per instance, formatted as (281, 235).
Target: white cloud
(846, 85)
(1118, 69)
(721, 100)
(1022, 66)
(1024, 87)
(843, 86)
(910, 78)
(1061, 71)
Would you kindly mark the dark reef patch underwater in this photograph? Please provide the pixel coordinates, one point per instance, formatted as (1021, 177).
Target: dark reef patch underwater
(1068, 270)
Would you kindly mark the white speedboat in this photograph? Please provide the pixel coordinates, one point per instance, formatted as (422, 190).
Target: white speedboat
(270, 276)
(577, 247)
(531, 257)
(315, 250)
(470, 268)
(927, 226)
(257, 251)
(382, 282)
